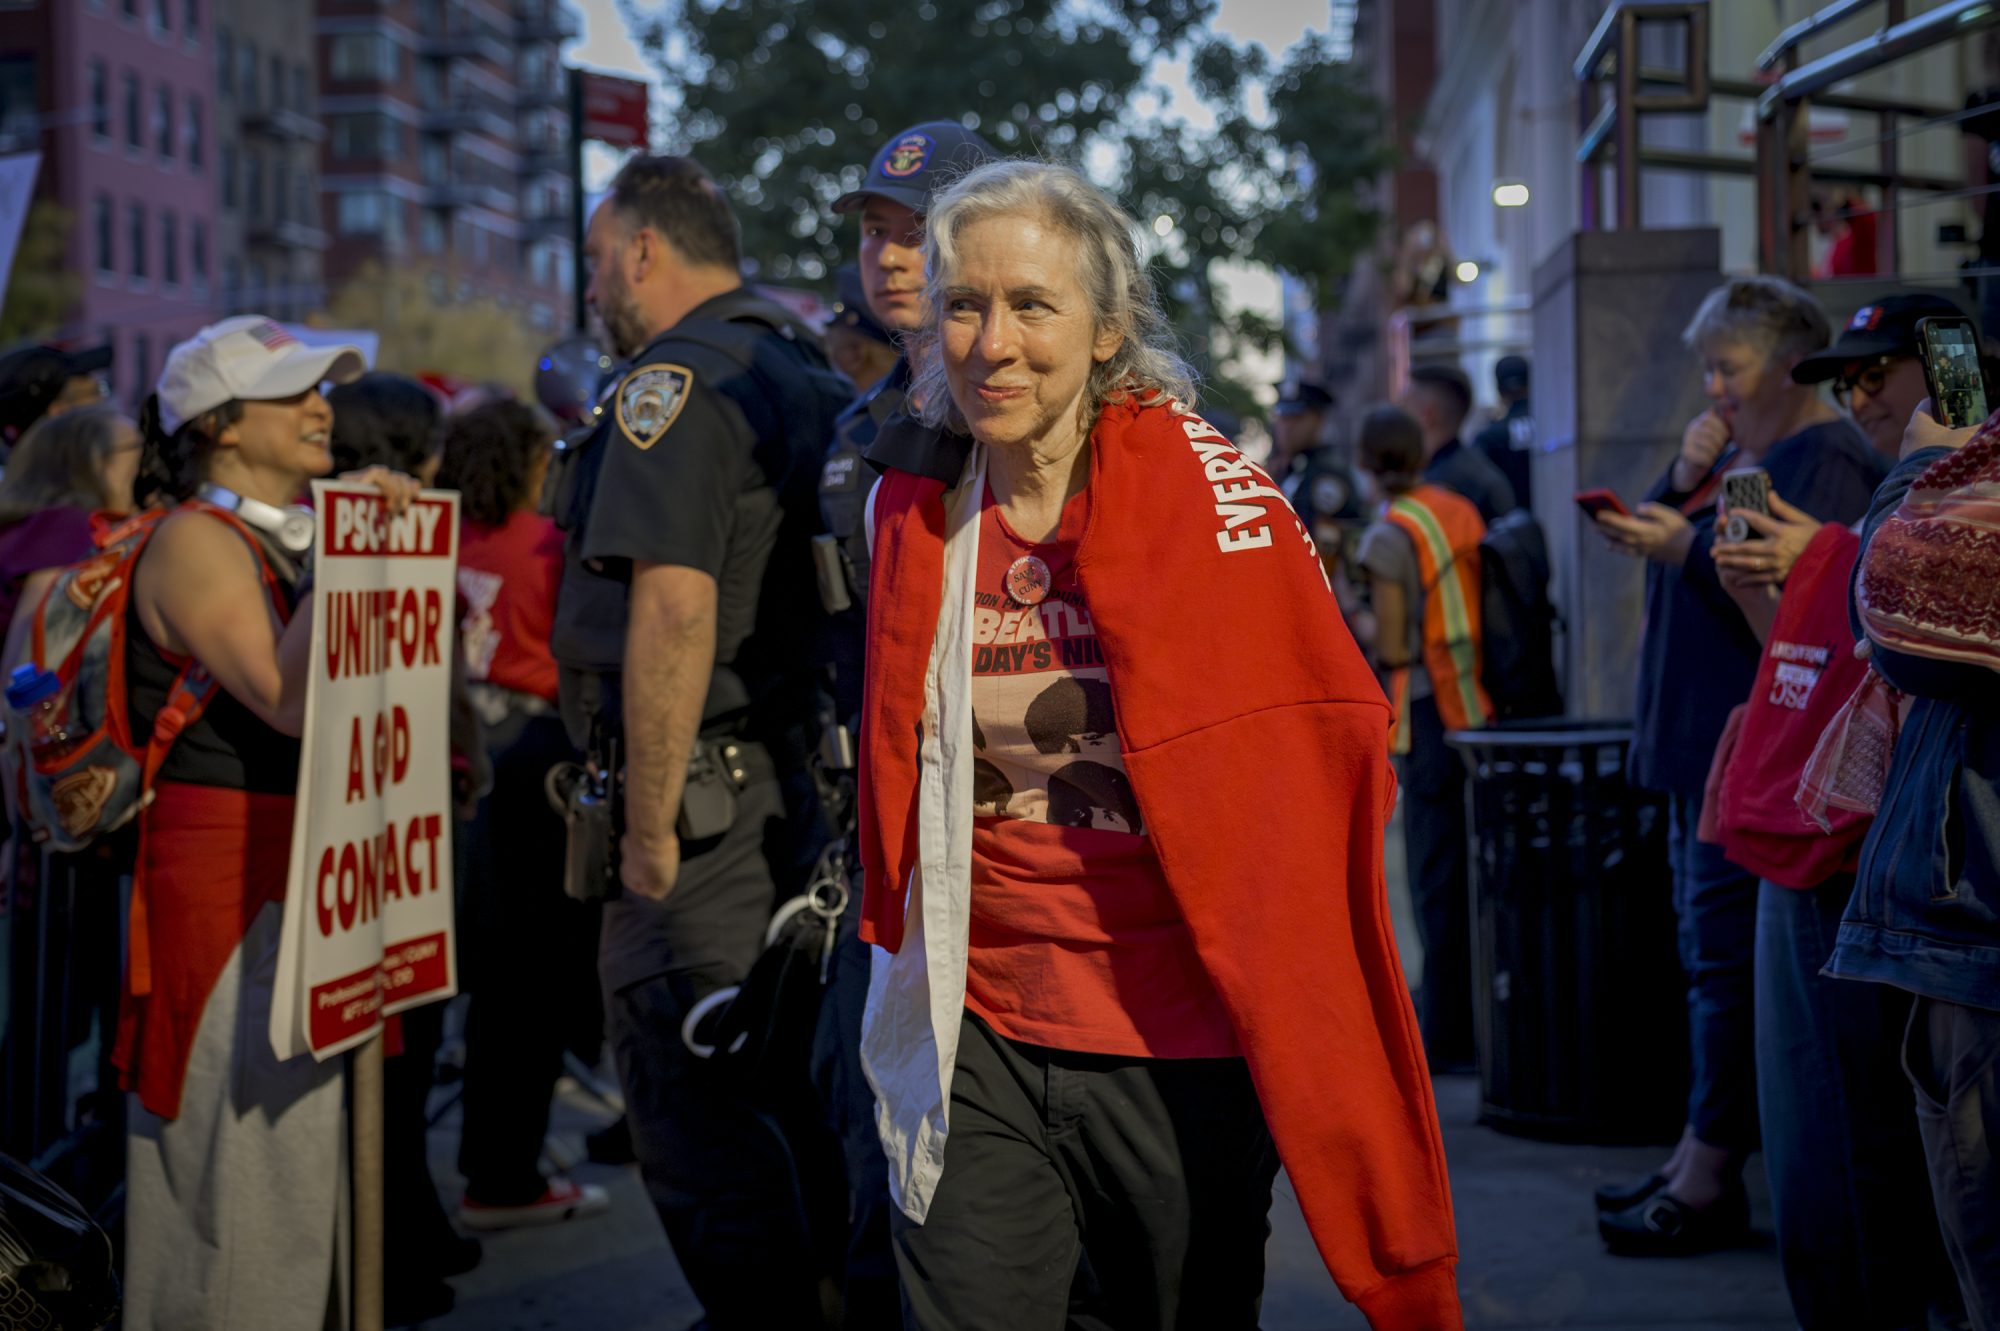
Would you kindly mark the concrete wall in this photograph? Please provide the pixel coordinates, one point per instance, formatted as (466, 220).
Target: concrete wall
(1613, 392)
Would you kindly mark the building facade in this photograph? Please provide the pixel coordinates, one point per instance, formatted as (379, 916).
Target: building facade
(446, 125)
(125, 121)
(267, 157)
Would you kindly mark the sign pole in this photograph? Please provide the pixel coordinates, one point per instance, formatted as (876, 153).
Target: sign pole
(580, 276)
(367, 1167)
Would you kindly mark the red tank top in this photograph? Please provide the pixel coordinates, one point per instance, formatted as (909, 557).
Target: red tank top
(1075, 940)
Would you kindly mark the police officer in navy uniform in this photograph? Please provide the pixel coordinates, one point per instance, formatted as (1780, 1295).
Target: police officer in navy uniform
(1313, 473)
(891, 200)
(685, 627)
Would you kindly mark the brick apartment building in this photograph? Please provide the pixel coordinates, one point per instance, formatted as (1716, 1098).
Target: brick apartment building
(123, 91)
(446, 124)
(223, 155)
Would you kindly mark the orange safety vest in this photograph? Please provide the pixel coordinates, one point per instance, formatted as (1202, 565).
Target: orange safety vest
(1446, 530)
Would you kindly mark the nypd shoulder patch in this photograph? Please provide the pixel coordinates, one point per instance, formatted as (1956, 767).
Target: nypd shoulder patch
(649, 400)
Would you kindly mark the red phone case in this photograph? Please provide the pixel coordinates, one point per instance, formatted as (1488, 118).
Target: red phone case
(1594, 502)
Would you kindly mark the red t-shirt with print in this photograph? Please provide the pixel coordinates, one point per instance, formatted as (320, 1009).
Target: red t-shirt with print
(1075, 940)
(507, 580)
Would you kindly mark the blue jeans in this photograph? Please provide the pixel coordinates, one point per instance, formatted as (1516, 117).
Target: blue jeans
(1716, 905)
(1952, 1055)
(1857, 1233)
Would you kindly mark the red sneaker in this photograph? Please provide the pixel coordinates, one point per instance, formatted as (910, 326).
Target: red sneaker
(562, 1200)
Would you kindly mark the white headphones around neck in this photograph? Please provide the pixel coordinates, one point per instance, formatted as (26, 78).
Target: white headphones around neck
(291, 527)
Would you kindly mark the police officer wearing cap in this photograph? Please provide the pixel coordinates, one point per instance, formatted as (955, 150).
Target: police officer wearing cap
(1311, 472)
(684, 631)
(909, 168)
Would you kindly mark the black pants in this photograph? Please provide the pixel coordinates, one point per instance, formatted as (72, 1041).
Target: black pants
(1087, 1191)
(720, 1170)
(868, 1265)
(531, 956)
(1434, 840)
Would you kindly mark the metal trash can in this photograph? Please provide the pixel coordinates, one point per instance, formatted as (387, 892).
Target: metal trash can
(1580, 1007)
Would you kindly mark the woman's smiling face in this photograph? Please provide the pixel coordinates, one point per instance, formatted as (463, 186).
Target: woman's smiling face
(1018, 334)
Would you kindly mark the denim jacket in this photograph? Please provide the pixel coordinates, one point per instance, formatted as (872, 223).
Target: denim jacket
(1925, 913)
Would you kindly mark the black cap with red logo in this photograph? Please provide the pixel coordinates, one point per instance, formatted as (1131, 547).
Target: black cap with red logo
(914, 165)
(1887, 327)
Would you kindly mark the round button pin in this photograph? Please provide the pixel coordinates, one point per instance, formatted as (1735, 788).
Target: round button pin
(1028, 580)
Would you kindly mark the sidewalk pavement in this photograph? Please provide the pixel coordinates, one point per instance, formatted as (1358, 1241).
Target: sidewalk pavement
(1530, 1256)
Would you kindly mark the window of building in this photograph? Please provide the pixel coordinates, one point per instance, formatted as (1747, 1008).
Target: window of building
(253, 186)
(278, 84)
(431, 236)
(363, 56)
(170, 250)
(135, 133)
(100, 100)
(101, 228)
(366, 136)
(232, 283)
(481, 246)
(281, 190)
(163, 123)
(142, 366)
(191, 20)
(163, 16)
(135, 236)
(246, 74)
(301, 98)
(229, 193)
(130, 8)
(225, 63)
(363, 213)
(191, 128)
(198, 253)
(306, 213)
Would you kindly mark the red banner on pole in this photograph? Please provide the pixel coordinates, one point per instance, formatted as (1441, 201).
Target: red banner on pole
(615, 110)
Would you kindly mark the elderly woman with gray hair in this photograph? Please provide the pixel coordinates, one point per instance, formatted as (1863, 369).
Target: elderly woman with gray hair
(1696, 663)
(1108, 998)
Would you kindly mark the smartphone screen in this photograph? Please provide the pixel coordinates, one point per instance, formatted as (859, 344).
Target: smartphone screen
(1951, 371)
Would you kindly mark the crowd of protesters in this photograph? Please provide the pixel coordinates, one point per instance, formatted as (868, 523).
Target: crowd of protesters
(1029, 915)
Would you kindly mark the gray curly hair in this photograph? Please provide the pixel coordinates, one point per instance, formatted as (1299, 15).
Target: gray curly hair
(1147, 367)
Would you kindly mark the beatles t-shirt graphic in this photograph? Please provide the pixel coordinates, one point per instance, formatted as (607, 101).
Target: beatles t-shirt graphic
(1075, 941)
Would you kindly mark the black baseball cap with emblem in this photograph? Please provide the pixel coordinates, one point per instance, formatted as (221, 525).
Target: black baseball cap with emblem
(1306, 397)
(917, 163)
(1888, 327)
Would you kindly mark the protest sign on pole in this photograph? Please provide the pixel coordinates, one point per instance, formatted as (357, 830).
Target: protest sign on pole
(368, 903)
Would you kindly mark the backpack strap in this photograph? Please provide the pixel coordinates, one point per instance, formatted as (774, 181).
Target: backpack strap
(194, 687)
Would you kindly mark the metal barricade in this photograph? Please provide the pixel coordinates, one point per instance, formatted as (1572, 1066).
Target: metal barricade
(62, 923)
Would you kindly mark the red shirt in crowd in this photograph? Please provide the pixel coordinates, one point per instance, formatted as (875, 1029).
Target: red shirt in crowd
(507, 579)
(1075, 940)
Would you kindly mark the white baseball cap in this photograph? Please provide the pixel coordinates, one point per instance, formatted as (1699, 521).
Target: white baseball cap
(248, 358)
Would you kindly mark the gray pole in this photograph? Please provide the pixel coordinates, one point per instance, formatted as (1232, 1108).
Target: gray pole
(580, 312)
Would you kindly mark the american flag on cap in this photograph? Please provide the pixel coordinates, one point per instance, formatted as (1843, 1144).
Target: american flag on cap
(271, 336)
(1866, 318)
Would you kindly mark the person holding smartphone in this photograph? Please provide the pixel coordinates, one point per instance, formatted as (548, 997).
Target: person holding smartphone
(1748, 333)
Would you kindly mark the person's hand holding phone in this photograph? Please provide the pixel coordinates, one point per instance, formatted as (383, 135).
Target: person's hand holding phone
(1767, 558)
(1653, 532)
(1706, 437)
(1926, 431)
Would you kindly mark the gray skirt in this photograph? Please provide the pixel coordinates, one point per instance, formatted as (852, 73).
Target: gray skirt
(236, 1211)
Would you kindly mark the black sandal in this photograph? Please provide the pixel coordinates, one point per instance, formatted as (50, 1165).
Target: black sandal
(1665, 1226)
(1620, 1196)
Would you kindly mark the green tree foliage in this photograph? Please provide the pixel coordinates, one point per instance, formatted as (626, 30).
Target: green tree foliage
(786, 101)
(44, 286)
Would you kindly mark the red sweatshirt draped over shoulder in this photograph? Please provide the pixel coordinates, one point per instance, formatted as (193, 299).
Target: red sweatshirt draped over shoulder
(1238, 691)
